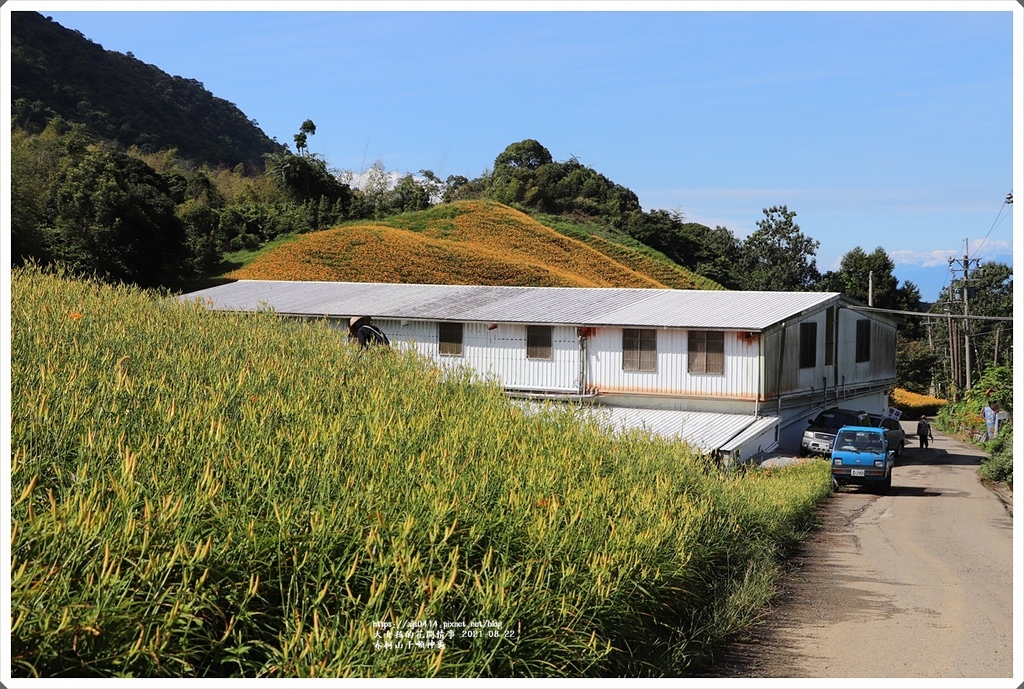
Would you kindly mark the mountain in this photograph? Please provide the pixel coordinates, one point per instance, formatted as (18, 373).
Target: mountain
(466, 242)
(58, 71)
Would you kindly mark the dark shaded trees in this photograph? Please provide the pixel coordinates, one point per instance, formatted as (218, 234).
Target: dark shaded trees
(525, 176)
(306, 178)
(35, 163)
(989, 292)
(870, 279)
(860, 272)
(112, 216)
(55, 70)
(916, 364)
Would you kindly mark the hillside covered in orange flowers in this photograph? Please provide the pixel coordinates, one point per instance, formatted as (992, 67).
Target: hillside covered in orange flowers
(466, 242)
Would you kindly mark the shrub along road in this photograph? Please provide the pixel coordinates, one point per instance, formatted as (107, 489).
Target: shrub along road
(914, 584)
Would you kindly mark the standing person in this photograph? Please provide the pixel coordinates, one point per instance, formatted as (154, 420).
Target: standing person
(924, 432)
(362, 331)
(991, 412)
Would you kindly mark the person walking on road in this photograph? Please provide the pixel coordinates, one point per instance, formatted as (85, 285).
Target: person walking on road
(924, 432)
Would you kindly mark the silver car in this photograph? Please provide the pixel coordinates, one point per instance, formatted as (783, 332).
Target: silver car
(821, 430)
(894, 434)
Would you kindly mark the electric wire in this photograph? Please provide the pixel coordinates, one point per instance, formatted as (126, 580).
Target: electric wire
(999, 218)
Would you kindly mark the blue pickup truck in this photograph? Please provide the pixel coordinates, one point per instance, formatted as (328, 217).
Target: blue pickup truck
(861, 456)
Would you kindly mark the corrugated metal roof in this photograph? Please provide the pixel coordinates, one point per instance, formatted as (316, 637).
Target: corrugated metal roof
(597, 306)
(705, 432)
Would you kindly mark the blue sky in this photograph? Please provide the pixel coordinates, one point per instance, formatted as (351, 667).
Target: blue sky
(879, 128)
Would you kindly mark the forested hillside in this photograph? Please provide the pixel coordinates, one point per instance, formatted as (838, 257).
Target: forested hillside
(58, 71)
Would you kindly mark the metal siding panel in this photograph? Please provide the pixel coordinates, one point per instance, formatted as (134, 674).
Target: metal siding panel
(882, 364)
(812, 377)
(773, 343)
(883, 350)
(671, 375)
(499, 354)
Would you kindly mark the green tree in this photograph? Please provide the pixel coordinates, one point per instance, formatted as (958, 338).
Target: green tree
(526, 155)
(301, 139)
(453, 185)
(375, 190)
(434, 185)
(778, 256)
(716, 255)
(858, 270)
(305, 177)
(408, 195)
(860, 273)
(989, 292)
(200, 223)
(514, 178)
(111, 215)
(916, 365)
(662, 230)
(992, 295)
(36, 162)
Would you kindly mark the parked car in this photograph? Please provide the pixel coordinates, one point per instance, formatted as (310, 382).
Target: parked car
(894, 433)
(861, 456)
(822, 429)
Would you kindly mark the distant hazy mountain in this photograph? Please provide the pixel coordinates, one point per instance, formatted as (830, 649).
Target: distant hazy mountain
(931, 280)
(58, 71)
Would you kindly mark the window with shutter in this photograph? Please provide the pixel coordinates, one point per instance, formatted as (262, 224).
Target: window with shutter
(538, 342)
(863, 340)
(639, 349)
(705, 351)
(808, 345)
(449, 339)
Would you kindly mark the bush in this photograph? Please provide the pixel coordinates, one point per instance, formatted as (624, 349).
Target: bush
(999, 465)
(914, 405)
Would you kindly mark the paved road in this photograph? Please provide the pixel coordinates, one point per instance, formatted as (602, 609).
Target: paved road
(914, 584)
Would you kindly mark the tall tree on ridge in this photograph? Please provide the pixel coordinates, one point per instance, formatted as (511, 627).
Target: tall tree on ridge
(777, 256)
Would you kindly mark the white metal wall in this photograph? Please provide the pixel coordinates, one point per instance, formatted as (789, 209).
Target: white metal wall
(499, 353)
(739, 380)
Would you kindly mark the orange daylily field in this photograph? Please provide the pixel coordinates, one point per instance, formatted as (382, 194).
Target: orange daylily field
(467, 242)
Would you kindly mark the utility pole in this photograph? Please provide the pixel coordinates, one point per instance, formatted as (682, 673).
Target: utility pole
(931, 348)
(965, 290)
(954, 360)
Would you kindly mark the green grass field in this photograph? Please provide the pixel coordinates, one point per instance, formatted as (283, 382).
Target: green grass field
(203, 494)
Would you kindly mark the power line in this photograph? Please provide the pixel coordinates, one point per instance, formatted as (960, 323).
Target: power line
(999, 217)
(931, 315)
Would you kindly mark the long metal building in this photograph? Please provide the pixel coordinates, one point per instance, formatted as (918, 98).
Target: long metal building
(731, 373)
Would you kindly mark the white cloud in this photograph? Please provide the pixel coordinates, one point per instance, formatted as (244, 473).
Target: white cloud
(361, 181)
(984, 249)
